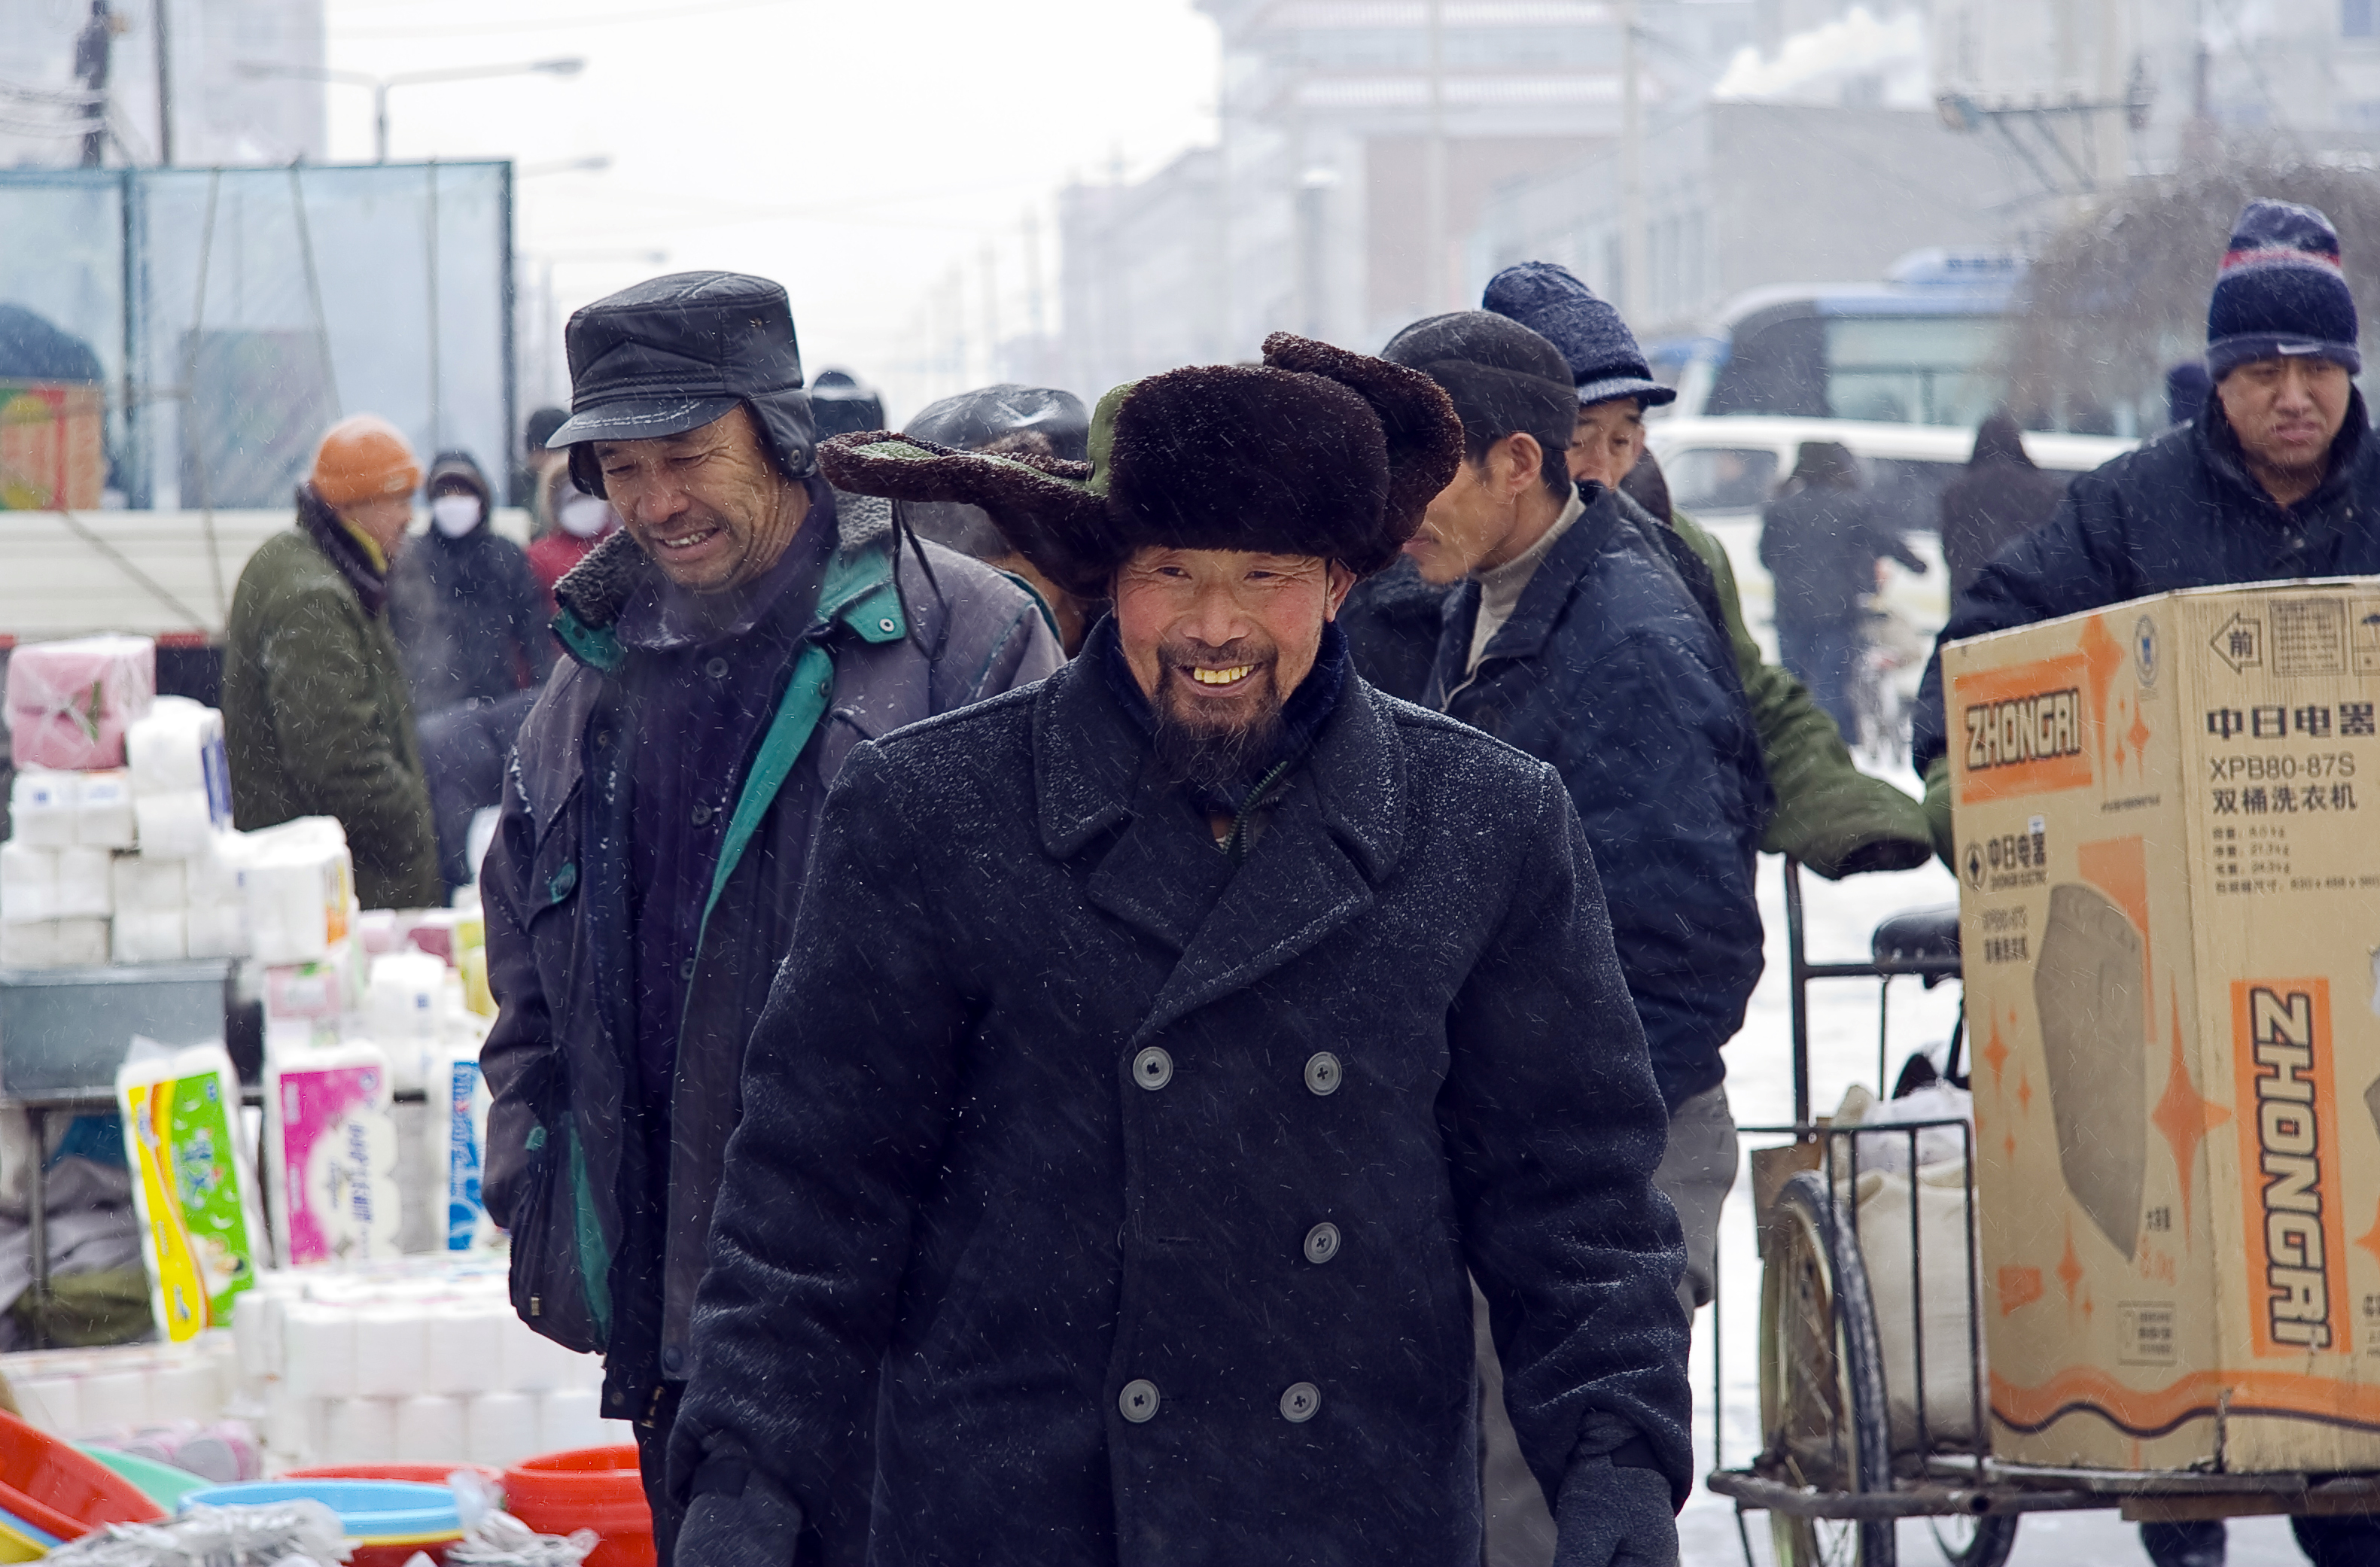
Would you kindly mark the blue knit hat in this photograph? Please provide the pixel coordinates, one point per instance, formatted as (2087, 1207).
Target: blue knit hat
(2281, 293)
(1601, 352)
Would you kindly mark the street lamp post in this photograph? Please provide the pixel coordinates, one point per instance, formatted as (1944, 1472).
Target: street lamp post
(383, 85)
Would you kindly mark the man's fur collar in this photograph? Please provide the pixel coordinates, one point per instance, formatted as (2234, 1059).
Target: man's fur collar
(599, 587)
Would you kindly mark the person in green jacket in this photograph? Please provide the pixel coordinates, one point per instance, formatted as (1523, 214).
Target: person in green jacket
(316, 719)
(1830, 816)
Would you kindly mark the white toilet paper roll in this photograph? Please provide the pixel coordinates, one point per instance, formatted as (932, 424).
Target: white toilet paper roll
(215, 871)
(360, 1430)
(114, 1401)
(567, 1419)
(188, 1392)
(151, 936)
(218, 929)
(500, 1428)
(248, 1313)
(535, 1364)
(174, 826)
(391, 1351)
(81, 943)
(466, 1347)
(429, 1431)
(41, 808)
(54, 1404)
(168, 750)
(143, 881)
(320, 1343)
(30, 946)
(28, 882)
(86, 883)
(104, 817)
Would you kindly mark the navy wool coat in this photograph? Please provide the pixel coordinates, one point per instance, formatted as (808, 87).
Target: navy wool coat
(1152, 1184)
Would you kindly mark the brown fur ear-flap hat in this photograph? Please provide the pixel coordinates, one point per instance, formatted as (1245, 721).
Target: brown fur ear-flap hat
(1320, 452)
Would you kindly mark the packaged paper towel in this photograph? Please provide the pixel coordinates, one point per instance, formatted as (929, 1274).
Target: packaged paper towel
(30, 944)
(300, 888)
(81, 943)
(303, 1001)
(218, 929)
(191, 1183)
(178, 749)
(143, 884)
(28, 882)
(331, 1140)
(403, 1009)
(173, 826)
(86, 884)
(69, 703)
(104, 815)
(459, 1132)
(159, 935)
(41, 808)
(216, 873)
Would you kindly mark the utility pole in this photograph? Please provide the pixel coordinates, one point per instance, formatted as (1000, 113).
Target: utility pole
(2112, 138)
(164, 83)
(1635, 289)
(1434, 269)
(93, 45)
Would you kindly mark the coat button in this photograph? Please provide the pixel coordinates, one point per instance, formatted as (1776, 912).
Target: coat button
(1152, 1068)
(701, 815)
(1298, 1402)
(1322, 1243)
(1139, 1401)
(1322, 1072)
(716, 669)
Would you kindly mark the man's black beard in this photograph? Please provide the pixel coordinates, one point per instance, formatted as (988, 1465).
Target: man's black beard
(1211, 760)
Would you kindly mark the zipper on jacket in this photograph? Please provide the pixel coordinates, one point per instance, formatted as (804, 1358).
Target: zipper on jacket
(1234, 842)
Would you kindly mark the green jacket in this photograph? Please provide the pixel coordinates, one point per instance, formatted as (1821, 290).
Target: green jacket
(317, 720)
(1830, 816)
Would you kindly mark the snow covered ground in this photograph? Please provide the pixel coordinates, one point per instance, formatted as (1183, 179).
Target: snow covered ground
(1760, 1086)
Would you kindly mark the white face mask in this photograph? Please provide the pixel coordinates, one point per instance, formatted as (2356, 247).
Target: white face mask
(583, 517)
(454, 515)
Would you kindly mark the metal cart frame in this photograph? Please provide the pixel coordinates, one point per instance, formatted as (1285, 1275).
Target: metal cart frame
(1869, 1487)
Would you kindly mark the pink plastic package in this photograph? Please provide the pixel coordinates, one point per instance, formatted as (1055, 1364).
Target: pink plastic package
(70, 702)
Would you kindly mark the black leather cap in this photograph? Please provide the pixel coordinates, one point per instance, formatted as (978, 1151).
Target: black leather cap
(673, 353)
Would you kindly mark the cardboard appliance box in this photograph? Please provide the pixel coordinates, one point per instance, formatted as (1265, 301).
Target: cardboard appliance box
(2168, 853)
(52, 446)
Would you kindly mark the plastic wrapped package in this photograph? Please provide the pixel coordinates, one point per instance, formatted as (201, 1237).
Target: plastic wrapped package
(69, 703)
(179, 750)
(404, 1007)
(216, 873)
(218, 929)
(190, 1186)
(151, 936)
(280, 1532)
(300, 886)
(458, 1131)
(331, 1144)
(28, 882)
(41, 808)
(81, 943)
(30, 944)
(104, 817)
(86, 884)
(144, 885)
(173, 826)
(499, 1539)
(303, 1001)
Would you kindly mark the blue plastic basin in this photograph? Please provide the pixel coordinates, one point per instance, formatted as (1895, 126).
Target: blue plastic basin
(368, 1509)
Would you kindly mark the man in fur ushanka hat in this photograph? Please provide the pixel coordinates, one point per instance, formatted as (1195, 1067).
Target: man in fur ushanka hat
(1160, 1046)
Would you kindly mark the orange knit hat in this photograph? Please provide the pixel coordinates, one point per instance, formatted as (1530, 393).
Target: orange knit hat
(362, 457)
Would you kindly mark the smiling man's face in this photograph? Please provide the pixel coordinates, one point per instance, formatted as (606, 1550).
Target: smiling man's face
(1217, 640)
(709, 506)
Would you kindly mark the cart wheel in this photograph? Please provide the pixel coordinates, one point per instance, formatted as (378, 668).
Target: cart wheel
(1822, 1399)
(1976, 1542)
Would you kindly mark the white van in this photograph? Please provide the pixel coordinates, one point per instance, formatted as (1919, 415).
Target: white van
(1722, 471)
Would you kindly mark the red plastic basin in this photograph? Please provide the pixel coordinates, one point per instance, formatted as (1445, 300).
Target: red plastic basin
(52, 1487)
(593, 1487)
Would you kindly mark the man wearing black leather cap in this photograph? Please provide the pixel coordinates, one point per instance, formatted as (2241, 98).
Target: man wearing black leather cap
(745, 629)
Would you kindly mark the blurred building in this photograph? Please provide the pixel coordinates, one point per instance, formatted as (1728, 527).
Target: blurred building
(1360, 142)
(219, 116)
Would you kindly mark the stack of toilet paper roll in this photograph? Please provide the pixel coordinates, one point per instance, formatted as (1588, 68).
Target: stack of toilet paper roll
(78, 1393)
(136, 864)
(421, 1361)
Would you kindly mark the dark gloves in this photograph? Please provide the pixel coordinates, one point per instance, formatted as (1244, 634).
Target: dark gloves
(737, 1519)
(1614, 1517)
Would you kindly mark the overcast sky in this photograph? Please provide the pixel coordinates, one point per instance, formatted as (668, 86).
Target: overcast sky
(856, 150)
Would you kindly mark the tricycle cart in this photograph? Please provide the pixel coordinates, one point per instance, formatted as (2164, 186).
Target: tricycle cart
(1857, 1432)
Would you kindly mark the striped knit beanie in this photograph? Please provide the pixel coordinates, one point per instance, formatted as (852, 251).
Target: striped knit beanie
(2281, 292)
